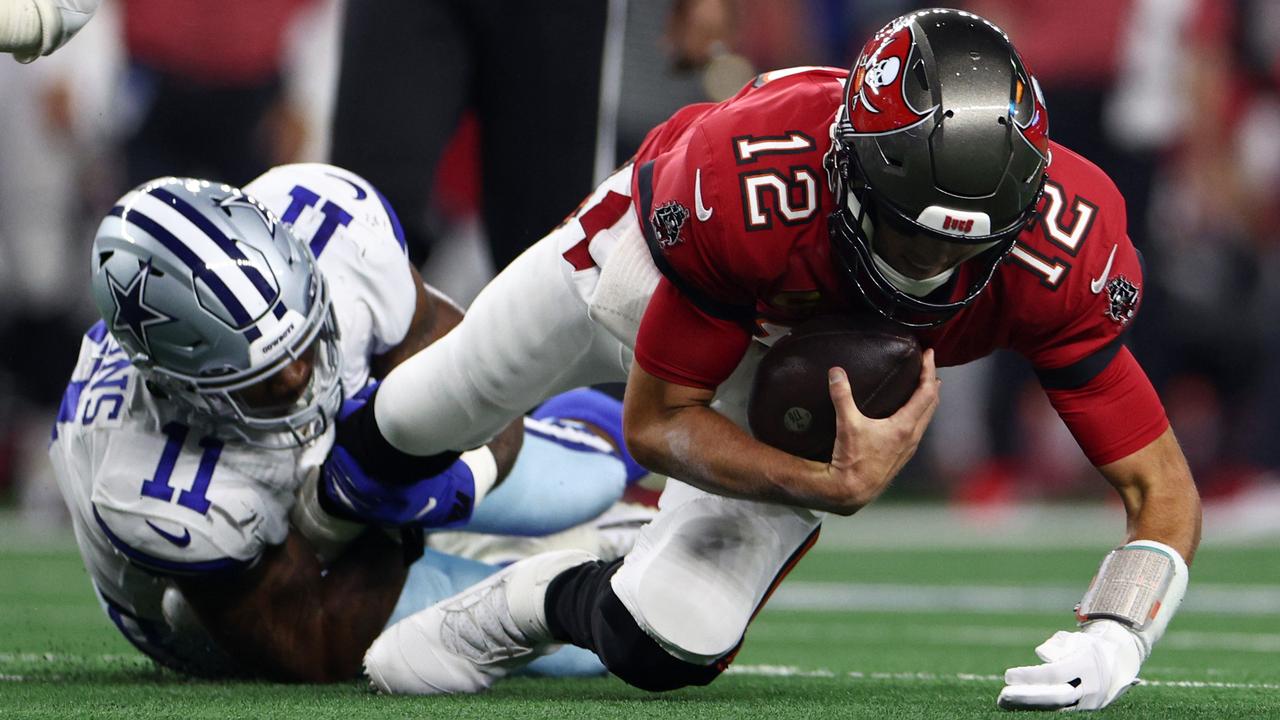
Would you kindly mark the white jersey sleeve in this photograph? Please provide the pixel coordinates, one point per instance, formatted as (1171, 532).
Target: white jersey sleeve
(359, 244)
(177, 504)
(166, 496)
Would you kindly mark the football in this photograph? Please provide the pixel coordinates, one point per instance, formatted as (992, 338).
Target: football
(790, 406)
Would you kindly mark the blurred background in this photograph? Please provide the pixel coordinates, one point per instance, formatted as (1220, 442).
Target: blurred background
(451, 108)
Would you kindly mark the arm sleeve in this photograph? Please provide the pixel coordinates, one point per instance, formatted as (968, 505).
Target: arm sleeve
(1114, 414)
(681, 344)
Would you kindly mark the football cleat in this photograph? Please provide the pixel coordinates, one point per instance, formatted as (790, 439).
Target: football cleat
(463, 644)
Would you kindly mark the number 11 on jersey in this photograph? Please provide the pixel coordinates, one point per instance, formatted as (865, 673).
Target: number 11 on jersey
(157, 486)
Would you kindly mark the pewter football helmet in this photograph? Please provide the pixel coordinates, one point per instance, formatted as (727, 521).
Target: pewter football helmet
(943, 135)
(209, 294)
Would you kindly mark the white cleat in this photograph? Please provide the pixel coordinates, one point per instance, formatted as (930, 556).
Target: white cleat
(465, 643)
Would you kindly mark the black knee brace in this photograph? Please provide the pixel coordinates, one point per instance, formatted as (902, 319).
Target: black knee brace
(582, 609)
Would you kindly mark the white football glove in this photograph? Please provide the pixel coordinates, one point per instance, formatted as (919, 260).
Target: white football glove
(1085, 670)
(31, 28)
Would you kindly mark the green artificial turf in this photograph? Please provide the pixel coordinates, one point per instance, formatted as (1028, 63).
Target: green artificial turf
(60, 657)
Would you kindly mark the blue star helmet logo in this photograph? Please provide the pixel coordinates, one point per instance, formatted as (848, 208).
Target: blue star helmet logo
(132, 312)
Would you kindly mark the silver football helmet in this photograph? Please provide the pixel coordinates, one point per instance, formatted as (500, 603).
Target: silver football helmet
(209, 295)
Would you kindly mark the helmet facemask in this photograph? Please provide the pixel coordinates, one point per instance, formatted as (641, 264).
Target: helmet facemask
(863, 211)
(938, 154)
(215, 398)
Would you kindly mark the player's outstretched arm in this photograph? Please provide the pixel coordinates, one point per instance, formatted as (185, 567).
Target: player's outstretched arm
(1133, 597)
(290, 619)
(671, 429)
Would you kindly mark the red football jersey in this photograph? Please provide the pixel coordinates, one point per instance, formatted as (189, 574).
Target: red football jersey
(734, 199)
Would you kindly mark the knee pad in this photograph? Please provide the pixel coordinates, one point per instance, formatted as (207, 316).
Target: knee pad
(628, 652)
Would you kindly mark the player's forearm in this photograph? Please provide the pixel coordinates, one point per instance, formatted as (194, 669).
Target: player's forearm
(292, 620)
(1172, 518)
(1159, 495)
(701, 447)
(356, 596)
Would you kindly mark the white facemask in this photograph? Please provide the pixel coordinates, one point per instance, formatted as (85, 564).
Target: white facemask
(911, 286)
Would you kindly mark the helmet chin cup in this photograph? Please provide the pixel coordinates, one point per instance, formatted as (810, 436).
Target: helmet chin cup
(853, 251)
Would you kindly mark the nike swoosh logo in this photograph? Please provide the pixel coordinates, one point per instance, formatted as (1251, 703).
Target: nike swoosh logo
(1097, 285)
(431, 505)
(704, 213)
(360, 193)
(181, 541)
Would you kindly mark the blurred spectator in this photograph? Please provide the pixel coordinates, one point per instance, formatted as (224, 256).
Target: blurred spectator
(205, 81)
(1176, 99)
(531, 71)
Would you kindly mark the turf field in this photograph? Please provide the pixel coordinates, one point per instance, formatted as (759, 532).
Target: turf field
(901, 613)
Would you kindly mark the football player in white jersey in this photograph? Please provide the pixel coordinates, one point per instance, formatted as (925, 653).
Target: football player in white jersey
(194, 446)
(31, 28)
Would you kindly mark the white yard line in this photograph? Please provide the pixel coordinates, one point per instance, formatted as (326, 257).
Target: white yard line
(1248, 521)
(947, 635)
(892, 597)
(792, 671)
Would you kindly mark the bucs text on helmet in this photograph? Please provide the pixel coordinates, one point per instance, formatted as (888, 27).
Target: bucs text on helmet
(941, 142)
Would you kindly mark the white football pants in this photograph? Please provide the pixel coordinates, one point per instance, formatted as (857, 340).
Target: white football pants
(702, 568)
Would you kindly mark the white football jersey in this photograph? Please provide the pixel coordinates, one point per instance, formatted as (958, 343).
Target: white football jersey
(153, 497)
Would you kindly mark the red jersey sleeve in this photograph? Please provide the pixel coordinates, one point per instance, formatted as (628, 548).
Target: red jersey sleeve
(682, 344)
(1073, 329)
(1115, 414)
(730, 198)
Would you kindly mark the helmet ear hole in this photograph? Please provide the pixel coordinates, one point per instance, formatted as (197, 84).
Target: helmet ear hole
(922, 77)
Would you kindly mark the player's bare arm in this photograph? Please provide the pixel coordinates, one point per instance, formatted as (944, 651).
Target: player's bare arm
(1159, 495)
(672, 429)
(434, 315)
(291, 619)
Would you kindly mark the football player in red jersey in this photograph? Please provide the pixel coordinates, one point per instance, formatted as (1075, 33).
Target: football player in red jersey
(921, 186)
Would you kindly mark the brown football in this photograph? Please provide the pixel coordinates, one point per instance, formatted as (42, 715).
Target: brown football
(790, 406)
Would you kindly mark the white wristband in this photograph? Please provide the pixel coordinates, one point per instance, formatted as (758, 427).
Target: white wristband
(484, 470)
(326, 533)
(1140, 585)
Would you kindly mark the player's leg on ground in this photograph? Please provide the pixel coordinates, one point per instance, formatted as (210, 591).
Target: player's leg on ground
(557, 482)
(407, 69)
(674, 610)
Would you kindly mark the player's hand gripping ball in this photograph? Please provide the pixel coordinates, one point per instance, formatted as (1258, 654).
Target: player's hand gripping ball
(790, 406)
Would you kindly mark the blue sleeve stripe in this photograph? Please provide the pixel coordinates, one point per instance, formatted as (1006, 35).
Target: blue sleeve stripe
(395, 220)
(168, 567)
(97, 331)
(71, 401)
